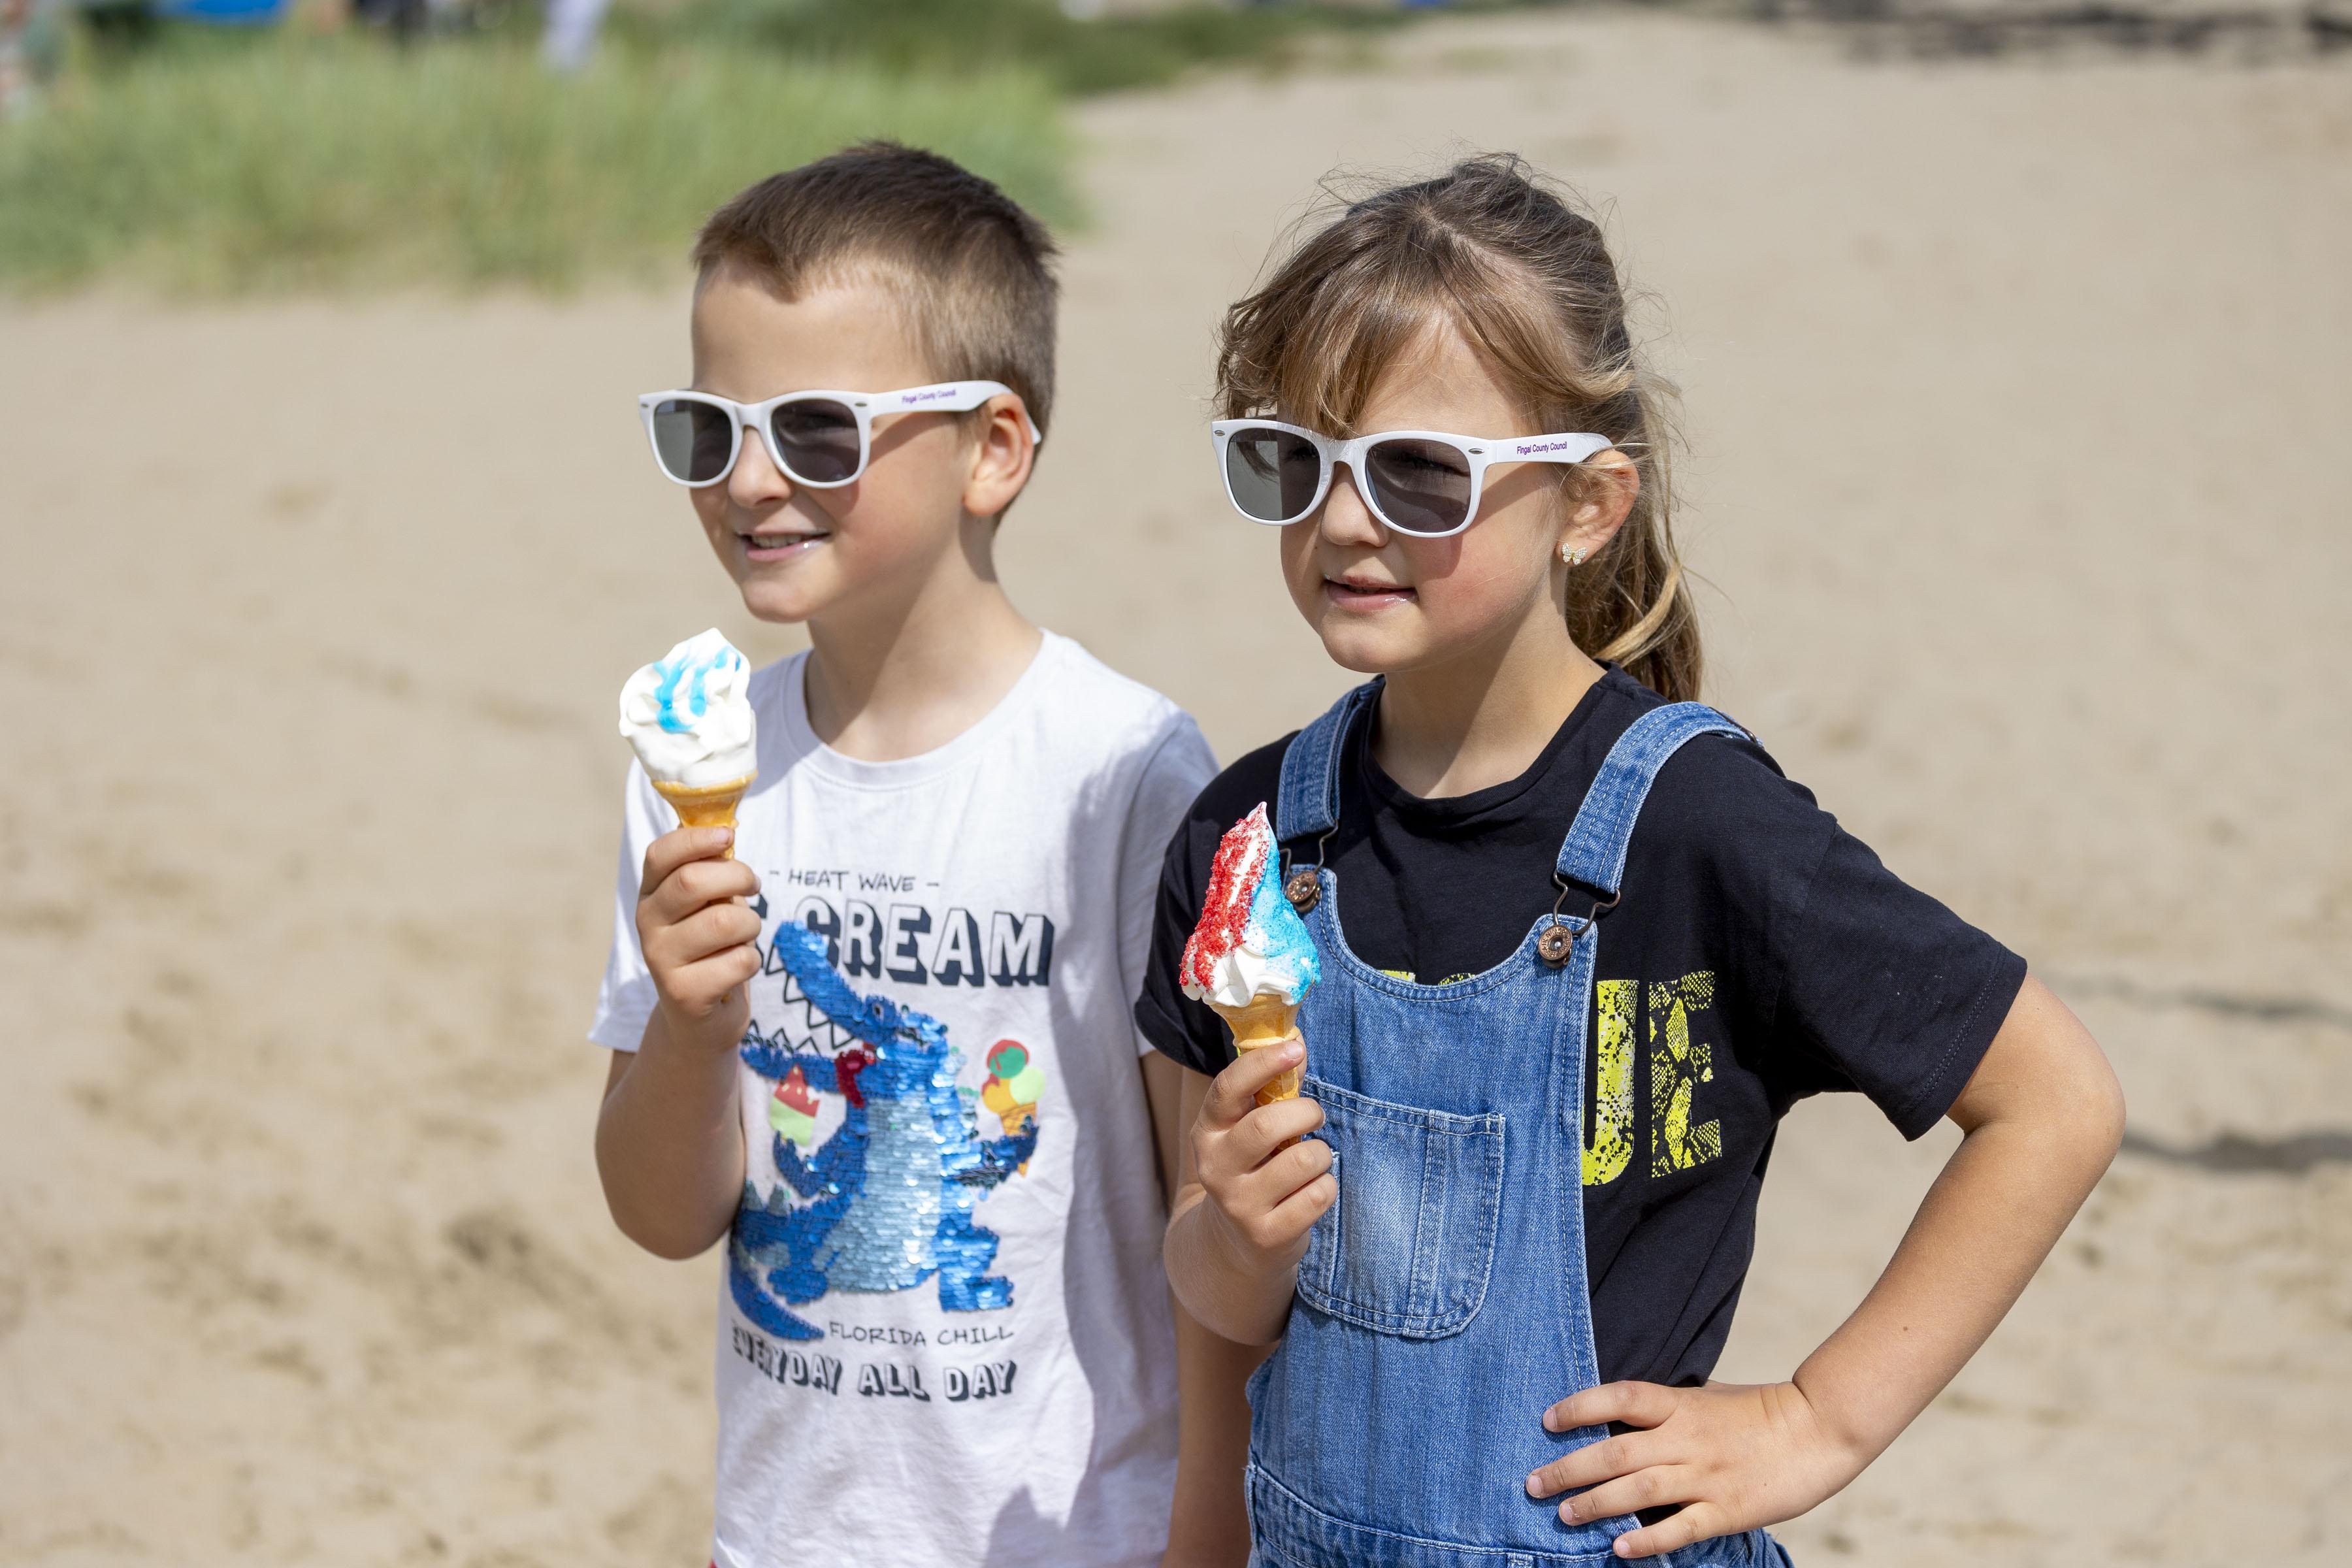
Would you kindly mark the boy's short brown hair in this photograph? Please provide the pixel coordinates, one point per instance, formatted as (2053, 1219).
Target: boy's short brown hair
(973, 266)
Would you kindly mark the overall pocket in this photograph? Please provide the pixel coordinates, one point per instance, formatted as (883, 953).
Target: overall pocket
(1407, 1248)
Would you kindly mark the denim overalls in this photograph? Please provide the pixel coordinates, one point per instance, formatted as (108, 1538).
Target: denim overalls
(1442, 1302)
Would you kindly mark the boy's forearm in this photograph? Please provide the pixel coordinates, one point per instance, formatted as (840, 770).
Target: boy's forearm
(2042, 1119)
(1208, 1525)
(669, 1145)
(1217, 1283)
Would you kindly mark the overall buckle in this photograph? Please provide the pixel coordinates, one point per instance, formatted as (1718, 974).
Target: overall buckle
(1558, 939)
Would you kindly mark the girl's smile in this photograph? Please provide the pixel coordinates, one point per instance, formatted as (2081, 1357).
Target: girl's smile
(1365, 595)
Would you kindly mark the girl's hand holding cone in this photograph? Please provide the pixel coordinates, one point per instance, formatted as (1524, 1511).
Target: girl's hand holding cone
(1267, 1182)
(1267, 1021)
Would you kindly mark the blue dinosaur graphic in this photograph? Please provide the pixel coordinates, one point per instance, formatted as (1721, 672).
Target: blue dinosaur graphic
(889, 1198)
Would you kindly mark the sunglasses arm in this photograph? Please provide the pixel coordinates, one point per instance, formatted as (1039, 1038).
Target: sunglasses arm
(958, 397)
(1570, 448)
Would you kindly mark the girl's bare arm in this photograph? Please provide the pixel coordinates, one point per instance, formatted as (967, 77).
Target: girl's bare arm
(2040, 1118)
(1248, 1193)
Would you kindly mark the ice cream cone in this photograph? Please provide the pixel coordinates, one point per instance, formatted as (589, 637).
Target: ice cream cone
(706, 806)
(1015, 1112)
(1265, 1021)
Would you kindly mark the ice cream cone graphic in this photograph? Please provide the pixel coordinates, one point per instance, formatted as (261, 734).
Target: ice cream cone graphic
(792, 1110)
(1014, 1085)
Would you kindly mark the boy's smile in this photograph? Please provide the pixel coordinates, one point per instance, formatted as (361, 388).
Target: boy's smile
(764, 544)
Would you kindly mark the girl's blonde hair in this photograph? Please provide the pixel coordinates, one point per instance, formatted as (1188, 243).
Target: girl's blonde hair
(1523, 272)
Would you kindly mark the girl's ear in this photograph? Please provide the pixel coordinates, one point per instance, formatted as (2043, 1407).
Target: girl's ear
(1605, 490)
(1001, 459)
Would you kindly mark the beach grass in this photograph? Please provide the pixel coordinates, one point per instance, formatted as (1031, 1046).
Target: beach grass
(1098, 54)
(290, 162)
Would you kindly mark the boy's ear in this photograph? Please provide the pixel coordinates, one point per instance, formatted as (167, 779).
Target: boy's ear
(1002, 458)
(1601, 495)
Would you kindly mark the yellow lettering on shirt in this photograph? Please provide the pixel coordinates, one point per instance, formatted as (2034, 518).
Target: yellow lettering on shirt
(1612, 1148)
(1678, 1065)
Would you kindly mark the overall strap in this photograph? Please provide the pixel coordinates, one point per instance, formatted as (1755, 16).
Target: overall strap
(1309, 803)
(1593, 855)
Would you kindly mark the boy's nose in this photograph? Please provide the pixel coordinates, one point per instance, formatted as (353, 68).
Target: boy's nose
(757, 480)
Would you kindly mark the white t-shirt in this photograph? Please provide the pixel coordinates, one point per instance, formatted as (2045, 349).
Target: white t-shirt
(943, 1335)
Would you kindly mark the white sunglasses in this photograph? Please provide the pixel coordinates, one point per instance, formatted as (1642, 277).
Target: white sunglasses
(1422, 482)
(822, 439)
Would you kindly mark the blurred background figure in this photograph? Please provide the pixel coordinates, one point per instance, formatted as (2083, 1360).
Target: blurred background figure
(31, 37)
(228, 12)
(16, 69)
(570, 36)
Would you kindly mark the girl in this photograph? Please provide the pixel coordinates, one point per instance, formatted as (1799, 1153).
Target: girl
(1581, 943)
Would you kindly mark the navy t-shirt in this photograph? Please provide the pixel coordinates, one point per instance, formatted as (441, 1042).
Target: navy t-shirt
(1759, 953)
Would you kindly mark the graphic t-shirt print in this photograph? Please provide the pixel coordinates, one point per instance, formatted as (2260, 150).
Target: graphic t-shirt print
(881, 1153)
(1680, 1061)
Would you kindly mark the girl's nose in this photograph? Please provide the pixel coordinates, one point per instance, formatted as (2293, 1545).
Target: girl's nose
(1346, 519)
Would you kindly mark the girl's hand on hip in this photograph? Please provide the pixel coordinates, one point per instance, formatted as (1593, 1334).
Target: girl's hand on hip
(1734, 1456)
(1266, 1181)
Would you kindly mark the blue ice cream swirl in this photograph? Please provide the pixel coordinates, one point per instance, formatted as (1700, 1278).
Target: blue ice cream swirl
(1279, 938)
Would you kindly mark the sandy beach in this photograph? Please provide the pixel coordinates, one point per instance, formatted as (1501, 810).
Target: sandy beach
(2016, 393)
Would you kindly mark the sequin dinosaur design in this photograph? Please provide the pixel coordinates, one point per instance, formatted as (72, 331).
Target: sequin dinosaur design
(888, 1200)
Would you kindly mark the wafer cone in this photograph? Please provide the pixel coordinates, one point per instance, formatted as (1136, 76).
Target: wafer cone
(1264, 1020)
(706, 806)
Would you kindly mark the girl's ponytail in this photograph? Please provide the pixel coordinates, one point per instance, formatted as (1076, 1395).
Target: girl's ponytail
(1528, 277)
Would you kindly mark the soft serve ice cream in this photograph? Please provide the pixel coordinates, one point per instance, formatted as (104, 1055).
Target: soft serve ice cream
(1251, 957)
(689, 715)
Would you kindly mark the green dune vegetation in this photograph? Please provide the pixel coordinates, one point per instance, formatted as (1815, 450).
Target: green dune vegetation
(191, 160)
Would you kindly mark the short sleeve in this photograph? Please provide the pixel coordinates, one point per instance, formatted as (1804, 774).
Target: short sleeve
(1171, 777)
(1851, 978)
(625, 1002)
(1889, 987)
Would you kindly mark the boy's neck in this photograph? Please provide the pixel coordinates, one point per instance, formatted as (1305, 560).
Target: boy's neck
(1483, 718)
(888, 681)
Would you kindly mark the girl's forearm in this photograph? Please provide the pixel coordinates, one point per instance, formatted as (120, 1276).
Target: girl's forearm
(2044, 1116)
(669, 1145)
(1230, 1293)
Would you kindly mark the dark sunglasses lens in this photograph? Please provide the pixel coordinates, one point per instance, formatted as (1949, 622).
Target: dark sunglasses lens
(819, 440)
(692, 439)
(1272, 473)
(1420, 487)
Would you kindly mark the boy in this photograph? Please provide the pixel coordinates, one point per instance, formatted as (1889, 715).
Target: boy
(874, 1050)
